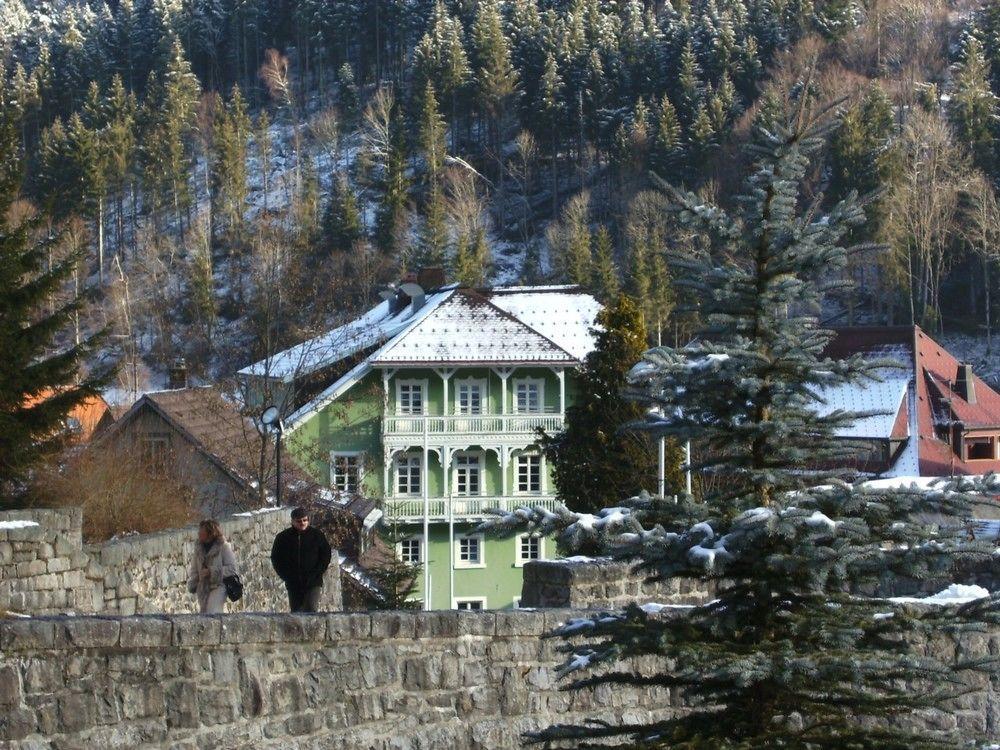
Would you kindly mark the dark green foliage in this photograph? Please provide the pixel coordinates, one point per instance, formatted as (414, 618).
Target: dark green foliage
(596, 460)
(34, 325)
(788, 655)
(973, 109)
(342, 221)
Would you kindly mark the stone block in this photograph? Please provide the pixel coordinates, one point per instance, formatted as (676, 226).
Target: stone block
(77, 711)
(393, 625)
(145, 632)
(87, 632)
(10, 687)
(181, 701)
(6, 552)
(246, 628)
(343, 625)
(45, 551)
(197, 630)
(47, 582)
(438, 624)
(216, 705)
(32, 568)
(43, 675)
(520, 623)
(17, 724)
(477, 623)
(64, 546)
(25, 635)
(298, 628)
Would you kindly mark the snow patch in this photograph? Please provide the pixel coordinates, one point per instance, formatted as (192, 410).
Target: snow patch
(4, 525)
(956, 593)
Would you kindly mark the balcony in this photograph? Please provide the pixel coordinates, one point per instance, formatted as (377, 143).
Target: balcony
(406, 430)
(463, 509)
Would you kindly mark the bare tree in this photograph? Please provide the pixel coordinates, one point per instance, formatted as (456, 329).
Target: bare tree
(981, 229)
(923, 211)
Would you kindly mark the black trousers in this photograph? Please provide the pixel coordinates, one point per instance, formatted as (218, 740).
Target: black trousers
(304, 600)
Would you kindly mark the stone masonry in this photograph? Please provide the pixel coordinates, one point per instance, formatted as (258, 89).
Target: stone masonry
(380, 680)
(46, 569)
(602, 583)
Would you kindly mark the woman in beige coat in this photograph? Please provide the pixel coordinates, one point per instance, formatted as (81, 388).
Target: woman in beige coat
(212, 562)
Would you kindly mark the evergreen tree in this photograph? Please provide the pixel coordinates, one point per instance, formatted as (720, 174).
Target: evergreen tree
(397, 581)
(33, 323)
(973, 109)
(342, 221)
(597, 459)
(495, 76)
(431, 137)
(570, 240)
(789, 654)
(392, 214)
(606, 284)
(667, 149)
(472, 255)
(347, 92)
(229, 165)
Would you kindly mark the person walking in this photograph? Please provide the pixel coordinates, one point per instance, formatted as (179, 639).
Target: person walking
(300, 556)
(212, 562)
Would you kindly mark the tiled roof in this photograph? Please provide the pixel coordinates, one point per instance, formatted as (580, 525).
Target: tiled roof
(469, 328)
(563, 314)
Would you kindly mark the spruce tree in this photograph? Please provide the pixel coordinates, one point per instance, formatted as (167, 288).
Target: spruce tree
(34, 328)
(597, 459)
(973, 109)
(342, 221)
(790, 654)
(606, 284)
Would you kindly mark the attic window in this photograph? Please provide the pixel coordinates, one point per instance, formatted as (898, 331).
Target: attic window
(981, 448)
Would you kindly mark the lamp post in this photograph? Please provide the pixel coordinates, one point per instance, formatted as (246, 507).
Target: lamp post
(271, 418)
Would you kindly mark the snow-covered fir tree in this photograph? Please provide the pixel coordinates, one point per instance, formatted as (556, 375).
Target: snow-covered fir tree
(790, 654)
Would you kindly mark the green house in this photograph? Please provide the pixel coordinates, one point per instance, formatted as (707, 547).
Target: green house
(431, 403)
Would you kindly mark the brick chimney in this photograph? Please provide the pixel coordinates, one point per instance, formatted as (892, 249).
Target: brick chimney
(431, 278)
(965, 386)
(177, 376)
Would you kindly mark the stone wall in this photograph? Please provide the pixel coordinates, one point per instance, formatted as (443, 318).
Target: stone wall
(46, 569)
(604, 584)
(376, 680)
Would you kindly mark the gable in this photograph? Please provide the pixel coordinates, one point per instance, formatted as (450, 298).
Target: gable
(465, 329)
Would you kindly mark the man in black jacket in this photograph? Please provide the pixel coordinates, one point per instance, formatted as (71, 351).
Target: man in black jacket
(300, 556)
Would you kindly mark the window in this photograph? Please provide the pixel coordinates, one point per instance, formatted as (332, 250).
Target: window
(471, 605)
(469, 552)
(154, 450)
(980, 448)
(528, 395)
(408, 474)
(410, 396)
(345, 472)
(528, 548)
(469, 396)
(409, 551)
(468, 474)
(529, 474)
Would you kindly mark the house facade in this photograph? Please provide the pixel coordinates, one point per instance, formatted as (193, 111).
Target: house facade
(433, 405)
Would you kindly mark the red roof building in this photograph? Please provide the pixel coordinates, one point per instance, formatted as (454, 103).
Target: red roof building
(945, 420)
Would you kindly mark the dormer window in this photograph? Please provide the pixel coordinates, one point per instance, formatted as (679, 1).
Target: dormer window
(980, 448)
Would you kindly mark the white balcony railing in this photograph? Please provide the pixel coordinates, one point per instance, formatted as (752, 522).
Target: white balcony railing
(462, 508)
(465, 424)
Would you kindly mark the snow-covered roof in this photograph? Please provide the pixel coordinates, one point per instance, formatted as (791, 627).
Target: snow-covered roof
(468, 328)
(563, 314)
(879, 396)
(377, 325)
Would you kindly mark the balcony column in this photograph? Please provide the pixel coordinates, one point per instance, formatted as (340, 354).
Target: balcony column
(504, 454)
(561, 374)
(445, 374)
(503, 373)
(446, 454)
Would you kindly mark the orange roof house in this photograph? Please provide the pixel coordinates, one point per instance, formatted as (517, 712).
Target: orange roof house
(90, 417)
(940, 418)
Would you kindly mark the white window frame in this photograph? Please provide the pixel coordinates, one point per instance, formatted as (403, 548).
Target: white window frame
(541, 474)
(457, 549)
(422, 549)
(483, 396)
(540, 382)
(408, 455)
(519, 561)
(469, 600)
(423, 383)
(481, 457)
(359, 455)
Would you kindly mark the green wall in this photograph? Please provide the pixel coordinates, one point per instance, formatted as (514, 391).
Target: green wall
(499, 582)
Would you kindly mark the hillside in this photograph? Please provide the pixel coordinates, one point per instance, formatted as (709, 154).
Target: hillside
(243, 173)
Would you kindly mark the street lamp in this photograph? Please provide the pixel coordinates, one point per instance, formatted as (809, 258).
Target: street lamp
(271, 418)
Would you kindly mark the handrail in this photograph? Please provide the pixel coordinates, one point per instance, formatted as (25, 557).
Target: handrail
(463, 507)
(470, 423)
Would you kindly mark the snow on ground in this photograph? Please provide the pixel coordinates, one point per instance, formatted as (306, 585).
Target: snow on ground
(5, 525)
(956, 593)
(652, 608)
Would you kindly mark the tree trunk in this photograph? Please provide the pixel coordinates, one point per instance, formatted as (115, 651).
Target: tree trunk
(100, 240)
